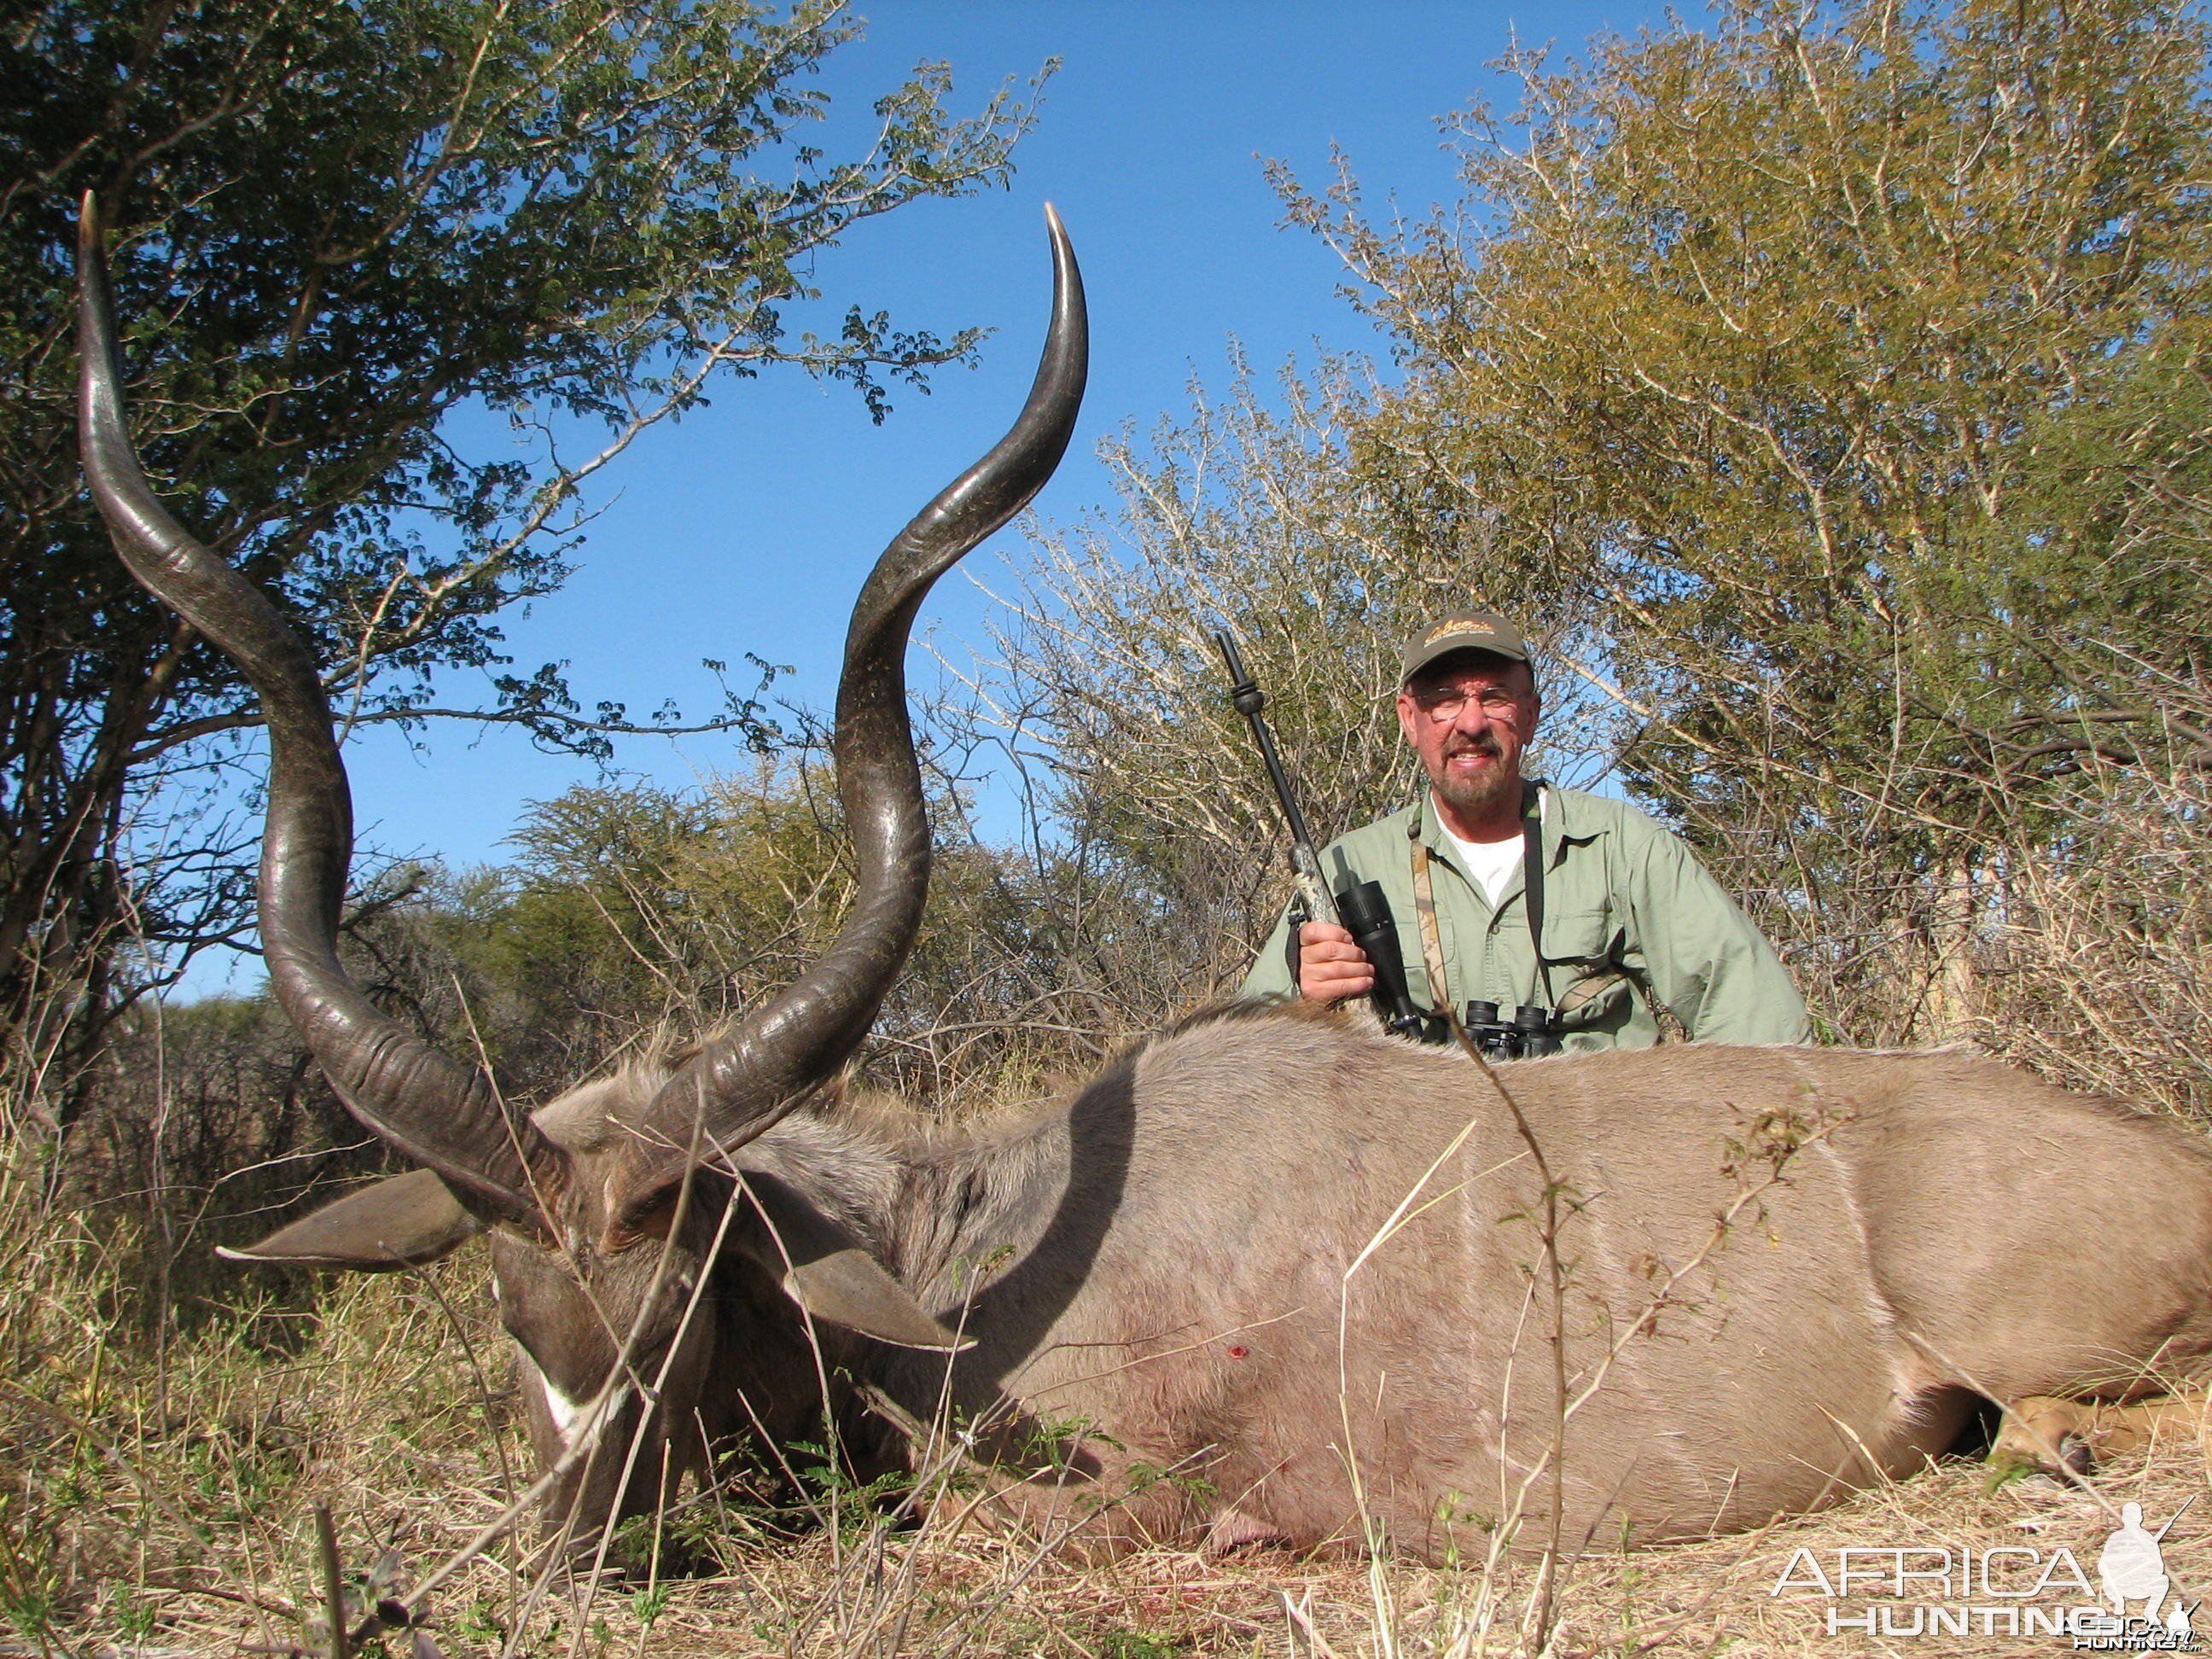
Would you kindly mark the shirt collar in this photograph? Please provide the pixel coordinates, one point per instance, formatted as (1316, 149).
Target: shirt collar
(1562, 815)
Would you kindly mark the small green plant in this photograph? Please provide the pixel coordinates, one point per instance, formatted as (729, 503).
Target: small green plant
(135, 1617)
(28, 1577)
(2001, 1468)
(646, 1606)
(829, 1488)
(1139, 1645)
(1454, 1512)
(482, 1623)
(1051, 1445)
(1142, 1477)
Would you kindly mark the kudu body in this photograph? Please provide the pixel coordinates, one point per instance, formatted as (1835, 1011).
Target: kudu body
(1269, 1275)
(1786, 1273)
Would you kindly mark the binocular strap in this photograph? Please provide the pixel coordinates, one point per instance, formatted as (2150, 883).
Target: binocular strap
(1532, 902)
(1424, 908)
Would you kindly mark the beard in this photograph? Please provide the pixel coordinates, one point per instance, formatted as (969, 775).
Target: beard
(1478, 796)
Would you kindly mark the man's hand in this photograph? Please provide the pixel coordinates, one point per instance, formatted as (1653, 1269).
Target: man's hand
(1330, 966)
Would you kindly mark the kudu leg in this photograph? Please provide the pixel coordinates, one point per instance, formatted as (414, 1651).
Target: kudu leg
(2056, 1436)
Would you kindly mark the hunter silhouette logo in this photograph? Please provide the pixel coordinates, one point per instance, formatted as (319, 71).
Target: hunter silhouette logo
(2012, 1589)
(2132, 1568)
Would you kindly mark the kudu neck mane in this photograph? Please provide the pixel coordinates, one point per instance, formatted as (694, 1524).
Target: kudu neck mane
(935, 1202)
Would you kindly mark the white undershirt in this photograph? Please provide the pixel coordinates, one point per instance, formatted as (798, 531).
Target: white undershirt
(1491, 863)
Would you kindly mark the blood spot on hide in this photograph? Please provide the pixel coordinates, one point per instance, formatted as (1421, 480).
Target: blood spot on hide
(1237, 1351)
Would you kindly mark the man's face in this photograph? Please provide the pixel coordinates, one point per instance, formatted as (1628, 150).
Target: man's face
(1468, 718)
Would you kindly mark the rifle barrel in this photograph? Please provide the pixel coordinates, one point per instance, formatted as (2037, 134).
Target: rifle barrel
(1246, 697)
(1249, 701)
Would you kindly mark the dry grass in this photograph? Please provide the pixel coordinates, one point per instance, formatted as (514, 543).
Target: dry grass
(167, 1509)
(158, 1480)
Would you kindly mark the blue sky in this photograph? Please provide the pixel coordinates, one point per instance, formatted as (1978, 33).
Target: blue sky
(749, 526)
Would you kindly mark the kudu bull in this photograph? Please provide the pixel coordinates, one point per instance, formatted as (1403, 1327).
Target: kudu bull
(1298, 1264)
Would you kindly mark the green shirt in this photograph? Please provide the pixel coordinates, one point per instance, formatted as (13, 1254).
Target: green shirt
(1625, 905)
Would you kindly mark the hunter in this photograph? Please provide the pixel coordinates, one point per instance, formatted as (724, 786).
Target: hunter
(1630, 921)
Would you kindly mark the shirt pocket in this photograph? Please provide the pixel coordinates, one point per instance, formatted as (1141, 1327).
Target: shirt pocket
(1583, 949)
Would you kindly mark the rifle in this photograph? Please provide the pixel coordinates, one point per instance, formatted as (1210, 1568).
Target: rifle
(1247, 699)
(1360, 908)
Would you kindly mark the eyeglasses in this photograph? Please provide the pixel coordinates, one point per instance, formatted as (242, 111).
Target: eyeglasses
(1445, 702)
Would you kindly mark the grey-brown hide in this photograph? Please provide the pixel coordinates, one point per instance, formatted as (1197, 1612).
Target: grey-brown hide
(1266, 1276)
(695, 1296)
(1789, 1272)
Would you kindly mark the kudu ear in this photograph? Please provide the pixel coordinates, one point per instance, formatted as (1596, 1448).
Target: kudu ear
(828, 1271)
(402, 1221)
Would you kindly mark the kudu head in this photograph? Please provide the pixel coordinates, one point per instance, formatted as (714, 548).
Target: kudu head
(610, 1212)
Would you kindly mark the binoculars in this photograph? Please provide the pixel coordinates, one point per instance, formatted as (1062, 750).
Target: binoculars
(1365, 914)
(1531, 1033)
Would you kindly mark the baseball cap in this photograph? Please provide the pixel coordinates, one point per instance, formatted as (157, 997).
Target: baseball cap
(1466, 630)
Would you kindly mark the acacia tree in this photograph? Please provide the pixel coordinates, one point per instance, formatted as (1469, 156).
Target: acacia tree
(332, 225)
(1828, 388)
(1767, 341)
